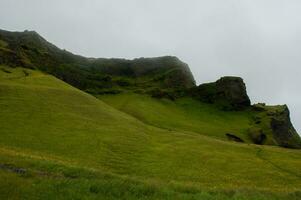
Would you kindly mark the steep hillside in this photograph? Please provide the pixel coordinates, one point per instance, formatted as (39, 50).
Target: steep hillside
(60, 143)
(184, 114)
(162, 78)
(85, 128)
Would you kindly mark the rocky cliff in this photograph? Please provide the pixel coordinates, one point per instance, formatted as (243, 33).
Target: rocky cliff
(229, 93)
(270, 125)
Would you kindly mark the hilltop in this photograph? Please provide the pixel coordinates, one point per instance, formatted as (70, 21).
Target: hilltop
(95, 128)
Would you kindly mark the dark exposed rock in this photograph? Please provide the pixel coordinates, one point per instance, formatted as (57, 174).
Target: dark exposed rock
(257, 135)
(233, 137)
(272, 125)
(233, 89)
(257, 122)
(5, 70)
(283, 130)
(259, 107)
(228, 92)
(159, 94)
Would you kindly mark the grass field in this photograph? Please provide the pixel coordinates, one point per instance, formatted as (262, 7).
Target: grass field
(58, 142)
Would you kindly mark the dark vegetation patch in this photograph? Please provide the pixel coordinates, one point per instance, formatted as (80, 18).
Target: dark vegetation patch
(233, 137)
(5, 70)
(3, 44)
(159, 94)
(68, 174)
(25, 73)
(98, 91)
(25, 47)
(259, 107)
(257, 135)
(12, 168)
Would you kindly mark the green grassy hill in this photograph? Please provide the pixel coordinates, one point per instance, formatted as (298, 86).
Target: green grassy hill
(58, 142)
(146, 132)
(183, 114)
(191, 115)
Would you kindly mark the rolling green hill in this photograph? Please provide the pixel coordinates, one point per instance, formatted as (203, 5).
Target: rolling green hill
(81, 128)
(184, 114)
(58, 142)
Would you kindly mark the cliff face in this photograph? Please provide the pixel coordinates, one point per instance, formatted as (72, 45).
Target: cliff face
(272, 125)
(169, 71)
(283, 130)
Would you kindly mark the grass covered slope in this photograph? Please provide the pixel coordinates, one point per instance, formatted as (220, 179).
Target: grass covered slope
(183, 114)
(259, 124)
(58, 142)
(33, 103)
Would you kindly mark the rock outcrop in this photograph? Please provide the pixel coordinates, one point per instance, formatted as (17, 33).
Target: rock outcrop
(283, 130)
(272, 125)
(228, 92)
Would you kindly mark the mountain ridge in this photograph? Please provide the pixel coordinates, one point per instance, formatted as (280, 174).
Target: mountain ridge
(29, 49)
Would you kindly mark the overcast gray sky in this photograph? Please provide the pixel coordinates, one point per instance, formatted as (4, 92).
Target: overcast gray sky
(259, 40)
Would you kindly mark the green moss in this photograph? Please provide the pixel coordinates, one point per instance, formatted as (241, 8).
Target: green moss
(266, 117)
(3, 44)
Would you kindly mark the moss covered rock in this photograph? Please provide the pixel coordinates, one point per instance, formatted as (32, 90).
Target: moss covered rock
(228, 92)
(283, 130)
(272, 125)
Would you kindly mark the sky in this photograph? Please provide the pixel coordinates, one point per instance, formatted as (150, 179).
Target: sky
(258, 40)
